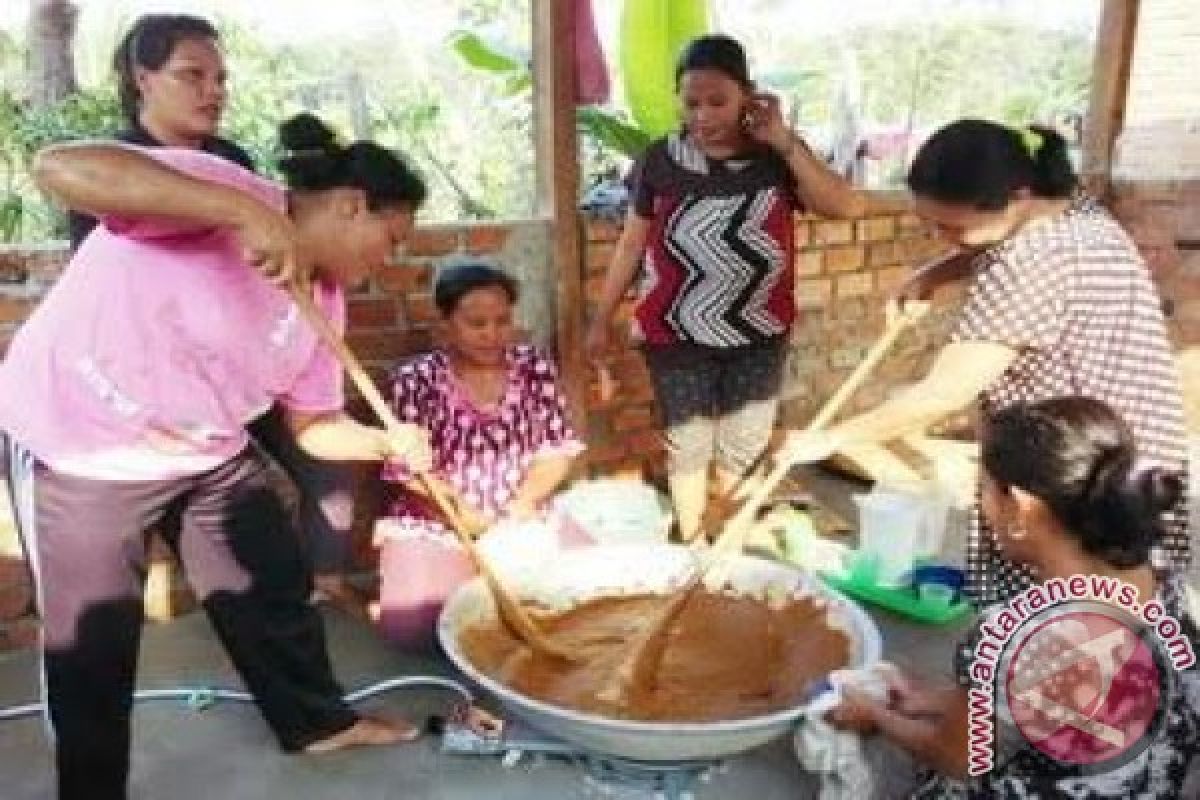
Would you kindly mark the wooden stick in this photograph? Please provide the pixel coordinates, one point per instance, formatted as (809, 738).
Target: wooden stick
(733, 534)
(646, 652)
(509, 606)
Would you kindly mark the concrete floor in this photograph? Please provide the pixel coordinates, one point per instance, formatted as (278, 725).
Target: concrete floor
(227, 752)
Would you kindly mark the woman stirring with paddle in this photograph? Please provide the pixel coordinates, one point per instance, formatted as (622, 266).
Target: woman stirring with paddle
(172, 83)
(1059, 302)
(125, 395)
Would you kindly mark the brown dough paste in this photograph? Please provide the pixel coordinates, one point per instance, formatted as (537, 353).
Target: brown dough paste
(727, 657)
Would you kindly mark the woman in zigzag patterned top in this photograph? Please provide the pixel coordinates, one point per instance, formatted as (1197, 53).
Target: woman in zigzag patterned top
(712, 227)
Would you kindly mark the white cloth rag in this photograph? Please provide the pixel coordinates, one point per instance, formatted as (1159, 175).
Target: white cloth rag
(837, 756)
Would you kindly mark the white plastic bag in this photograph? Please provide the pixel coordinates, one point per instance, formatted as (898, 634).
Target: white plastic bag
(614, 511)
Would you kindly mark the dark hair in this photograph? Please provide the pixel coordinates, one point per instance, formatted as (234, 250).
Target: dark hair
(1077, 456)
(714, 51)
(455, 281)
(315, 160)
(977, 163)
(148, 44)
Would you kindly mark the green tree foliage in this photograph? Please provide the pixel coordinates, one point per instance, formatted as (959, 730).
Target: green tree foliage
(473, 137)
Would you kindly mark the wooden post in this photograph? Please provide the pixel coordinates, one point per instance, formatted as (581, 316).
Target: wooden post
(557, 160)
(1110, 84)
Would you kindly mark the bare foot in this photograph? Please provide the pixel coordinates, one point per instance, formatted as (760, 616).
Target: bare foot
(484, 723)
(367, 732)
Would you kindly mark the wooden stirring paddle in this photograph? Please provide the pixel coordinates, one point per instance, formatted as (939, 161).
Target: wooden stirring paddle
(507, 603)
(638, 671)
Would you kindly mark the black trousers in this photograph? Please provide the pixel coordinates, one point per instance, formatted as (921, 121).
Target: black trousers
(325, 515)
(87, 543)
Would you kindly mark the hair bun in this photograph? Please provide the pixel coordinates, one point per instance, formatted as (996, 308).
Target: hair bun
(1159, 488)
(304, 132)
(313, 158)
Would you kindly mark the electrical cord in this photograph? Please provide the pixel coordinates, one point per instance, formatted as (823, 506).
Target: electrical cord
(201, 698)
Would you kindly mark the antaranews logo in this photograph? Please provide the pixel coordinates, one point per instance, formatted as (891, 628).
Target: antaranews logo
(1077, 669)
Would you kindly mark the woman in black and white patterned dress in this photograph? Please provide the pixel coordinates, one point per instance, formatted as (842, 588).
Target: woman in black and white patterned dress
(1059, 303)
(1068, 495)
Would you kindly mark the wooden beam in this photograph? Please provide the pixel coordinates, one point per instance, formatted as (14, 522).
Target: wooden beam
(557, 159)
(1110, 86)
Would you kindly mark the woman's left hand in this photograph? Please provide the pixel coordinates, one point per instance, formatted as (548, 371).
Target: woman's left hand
(764, 122)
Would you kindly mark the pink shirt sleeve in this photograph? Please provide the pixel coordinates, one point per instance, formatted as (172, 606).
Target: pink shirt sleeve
(203, 166)
(319, 387)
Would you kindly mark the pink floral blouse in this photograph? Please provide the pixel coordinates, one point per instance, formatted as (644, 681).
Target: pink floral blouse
(484, 453)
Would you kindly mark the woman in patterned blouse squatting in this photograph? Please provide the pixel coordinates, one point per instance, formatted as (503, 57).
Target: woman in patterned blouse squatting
(712, 226)
(1059, 303)
(501, 440)
(1067, 494)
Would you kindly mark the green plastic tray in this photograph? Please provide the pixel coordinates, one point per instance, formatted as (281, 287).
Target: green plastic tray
(902, 600)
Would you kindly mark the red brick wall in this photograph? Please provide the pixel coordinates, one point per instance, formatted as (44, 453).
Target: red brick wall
(844, 272)
(1164, 218)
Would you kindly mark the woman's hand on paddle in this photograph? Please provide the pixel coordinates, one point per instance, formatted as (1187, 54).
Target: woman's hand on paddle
(269, 241)
(408, 444)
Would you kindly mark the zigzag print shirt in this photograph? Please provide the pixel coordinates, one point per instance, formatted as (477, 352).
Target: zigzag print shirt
(718, 269)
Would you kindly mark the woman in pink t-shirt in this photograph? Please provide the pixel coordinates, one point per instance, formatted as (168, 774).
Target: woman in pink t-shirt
(124, 399)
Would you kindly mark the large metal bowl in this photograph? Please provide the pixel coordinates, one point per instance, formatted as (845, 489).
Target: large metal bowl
(575, 576)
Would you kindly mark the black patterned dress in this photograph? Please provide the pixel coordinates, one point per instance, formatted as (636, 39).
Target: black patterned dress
(1073, 298)
(718, 269)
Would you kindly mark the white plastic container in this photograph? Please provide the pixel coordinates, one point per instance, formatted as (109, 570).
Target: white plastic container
(614, 511)
(891, 529)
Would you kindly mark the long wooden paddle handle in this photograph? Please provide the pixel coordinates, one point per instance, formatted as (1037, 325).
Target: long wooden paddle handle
(827, 412)
(301, 294)
(882, 346)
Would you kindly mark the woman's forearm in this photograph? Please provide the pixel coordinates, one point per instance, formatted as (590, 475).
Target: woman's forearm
(545, 475)
(949, 268)
(627, 254)
(960, 372)
(337, 437)
(821, 189)
(101, 178)
(937, 737)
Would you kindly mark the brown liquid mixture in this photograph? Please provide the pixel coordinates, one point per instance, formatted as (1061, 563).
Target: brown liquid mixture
(726, 657)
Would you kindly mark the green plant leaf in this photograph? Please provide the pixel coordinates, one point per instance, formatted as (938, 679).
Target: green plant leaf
(652, 34)
(484, 55)
(612, 131)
